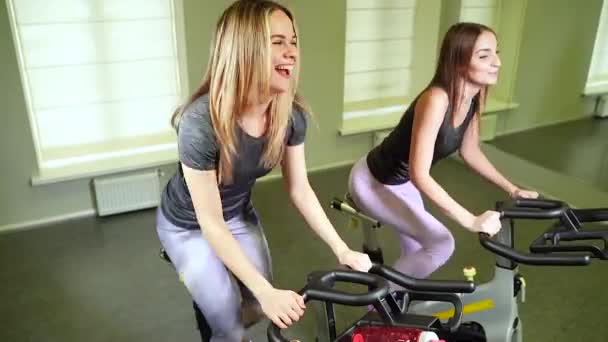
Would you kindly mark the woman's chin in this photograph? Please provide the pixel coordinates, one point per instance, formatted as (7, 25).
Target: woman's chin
(278, 90)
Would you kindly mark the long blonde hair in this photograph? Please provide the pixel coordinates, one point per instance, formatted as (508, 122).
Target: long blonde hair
(240, 61)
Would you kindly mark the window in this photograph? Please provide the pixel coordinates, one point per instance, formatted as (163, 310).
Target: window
(379, 37)
(480, 11)
(389, 56)
(597, 78)
(101, 78)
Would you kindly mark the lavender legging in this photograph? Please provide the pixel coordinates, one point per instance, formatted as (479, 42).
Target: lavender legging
(211, 285)
(426, 243)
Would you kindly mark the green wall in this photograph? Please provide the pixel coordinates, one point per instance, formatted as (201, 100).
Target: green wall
(322, 32)
(554, 57)
(553, 63)
(19, 201)
(23, 204)
(322, 27)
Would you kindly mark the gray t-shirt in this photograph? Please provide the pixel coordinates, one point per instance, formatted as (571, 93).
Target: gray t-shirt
(199, 149)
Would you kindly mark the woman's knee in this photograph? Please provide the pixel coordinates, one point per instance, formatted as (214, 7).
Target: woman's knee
(219, 303)
(214, 291)
(192, 273)
(443, 247)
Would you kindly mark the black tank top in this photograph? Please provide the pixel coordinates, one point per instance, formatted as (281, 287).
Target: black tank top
(388, 162)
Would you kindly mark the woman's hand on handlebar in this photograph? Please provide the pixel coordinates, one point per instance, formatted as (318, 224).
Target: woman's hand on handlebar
(488, 222)
(521, 193)
(355, 260)
(282, 307)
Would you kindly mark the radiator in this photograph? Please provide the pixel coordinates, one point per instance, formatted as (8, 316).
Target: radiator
(124, 193)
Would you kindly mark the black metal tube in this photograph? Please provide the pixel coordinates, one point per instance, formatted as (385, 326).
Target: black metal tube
(414, 284)
(320, 288)
(530, 213)
(538, 203)
(531, 259)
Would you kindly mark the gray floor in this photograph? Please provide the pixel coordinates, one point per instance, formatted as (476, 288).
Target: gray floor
(101, 279)
(578, 149)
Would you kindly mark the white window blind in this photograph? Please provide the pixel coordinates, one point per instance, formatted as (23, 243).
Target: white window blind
(597, 78)
(481, 11)
(101, 78)
(378, 61)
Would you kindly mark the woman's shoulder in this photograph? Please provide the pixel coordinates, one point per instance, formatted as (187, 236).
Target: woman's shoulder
(299, 115)
(198, 107)
(432, 104)
(298, 122)
(299, 110)
(196, 117)
(197, 112)
(434, 95)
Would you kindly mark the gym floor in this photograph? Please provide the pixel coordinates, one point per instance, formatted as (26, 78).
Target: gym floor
(100, 279)
(578, 149)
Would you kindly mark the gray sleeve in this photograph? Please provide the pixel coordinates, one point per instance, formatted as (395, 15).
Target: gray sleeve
(196, 141)
(298, 127)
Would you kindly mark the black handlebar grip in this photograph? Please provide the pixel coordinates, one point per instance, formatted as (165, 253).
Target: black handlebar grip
(531, 259)
(591, 215)
(414, 284)
(529, 213)
(320, 288)
(539, 203)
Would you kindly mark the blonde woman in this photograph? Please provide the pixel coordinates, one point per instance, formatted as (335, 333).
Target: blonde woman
(245, 119)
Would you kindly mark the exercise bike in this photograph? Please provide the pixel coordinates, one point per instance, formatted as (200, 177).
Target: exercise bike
(390, 320)
(491, 311)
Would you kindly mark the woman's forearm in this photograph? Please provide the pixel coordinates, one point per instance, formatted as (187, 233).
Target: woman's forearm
(440, 198)
(230, 252)
(307, 203)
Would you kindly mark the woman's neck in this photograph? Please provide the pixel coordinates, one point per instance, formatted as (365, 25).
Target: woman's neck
(468, 91)
(255, 109)
(254, 119)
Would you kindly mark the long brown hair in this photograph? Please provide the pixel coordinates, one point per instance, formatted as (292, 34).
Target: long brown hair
(240, 61)
(454, 58)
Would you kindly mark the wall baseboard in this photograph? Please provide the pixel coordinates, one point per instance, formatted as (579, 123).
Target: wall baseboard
(91, 212)
(504, 132)
(46, 221)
